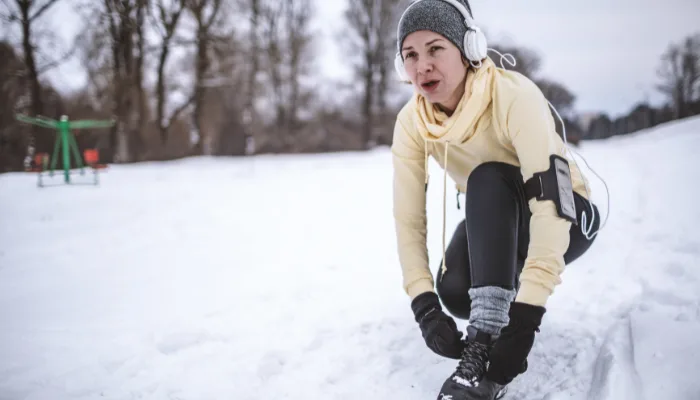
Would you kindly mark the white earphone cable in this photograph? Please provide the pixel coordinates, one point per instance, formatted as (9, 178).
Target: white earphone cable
(584, 217)
(505, 57)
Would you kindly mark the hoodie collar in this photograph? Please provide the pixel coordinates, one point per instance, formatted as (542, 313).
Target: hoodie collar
(435, 125)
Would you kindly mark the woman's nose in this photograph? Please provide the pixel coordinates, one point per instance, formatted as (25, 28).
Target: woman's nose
(424, 66)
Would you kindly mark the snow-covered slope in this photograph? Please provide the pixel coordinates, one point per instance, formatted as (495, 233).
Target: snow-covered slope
(277, 277)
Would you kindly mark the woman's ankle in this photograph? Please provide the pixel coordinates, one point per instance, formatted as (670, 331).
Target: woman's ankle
(490, 306)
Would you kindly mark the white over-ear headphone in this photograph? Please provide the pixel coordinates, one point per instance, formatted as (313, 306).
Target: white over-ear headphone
(475, 45)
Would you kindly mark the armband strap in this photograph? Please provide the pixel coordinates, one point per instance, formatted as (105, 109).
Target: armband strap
(554, 184)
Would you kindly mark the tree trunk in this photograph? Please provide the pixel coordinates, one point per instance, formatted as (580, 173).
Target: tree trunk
(38, 139)
(123, 26)
(203, 145)
(170, 22)
(35, 87)
(160, 91)
(117, 129)
(127, 54)
(200, 71)
(138, 143)
(369, 99)
(249, 112)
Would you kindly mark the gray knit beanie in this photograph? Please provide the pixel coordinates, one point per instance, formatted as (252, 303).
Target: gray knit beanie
(437, 16)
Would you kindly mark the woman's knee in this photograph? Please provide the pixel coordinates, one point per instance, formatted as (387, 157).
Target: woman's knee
(484, 175)
(578, 242)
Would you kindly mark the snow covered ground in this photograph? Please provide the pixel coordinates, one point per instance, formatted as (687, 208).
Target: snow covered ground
(276, 277)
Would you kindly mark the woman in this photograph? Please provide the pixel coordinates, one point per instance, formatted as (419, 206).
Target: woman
(491, 130)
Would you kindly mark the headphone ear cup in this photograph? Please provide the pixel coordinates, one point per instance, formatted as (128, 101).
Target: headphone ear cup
(475, 44)
(400, 69)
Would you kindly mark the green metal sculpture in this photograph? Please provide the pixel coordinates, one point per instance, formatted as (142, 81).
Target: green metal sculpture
(65, 141)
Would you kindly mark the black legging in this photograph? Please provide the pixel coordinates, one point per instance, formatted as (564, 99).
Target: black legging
(497, 226)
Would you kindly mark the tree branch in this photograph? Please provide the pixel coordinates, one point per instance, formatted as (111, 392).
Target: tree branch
(10, 16)
(214, 14)
(180, 109)
(40, 11)
(173, 42)
(55, 63)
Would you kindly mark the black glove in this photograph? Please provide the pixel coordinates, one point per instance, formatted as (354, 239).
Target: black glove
(439, 329)
(508, 356)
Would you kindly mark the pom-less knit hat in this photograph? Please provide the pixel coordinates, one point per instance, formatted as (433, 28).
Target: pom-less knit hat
(437, 16)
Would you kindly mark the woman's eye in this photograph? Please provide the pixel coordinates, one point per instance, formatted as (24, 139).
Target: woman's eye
(410, 55)
(435, 48)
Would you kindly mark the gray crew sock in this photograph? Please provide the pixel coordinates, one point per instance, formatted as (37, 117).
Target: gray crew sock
(490, 306)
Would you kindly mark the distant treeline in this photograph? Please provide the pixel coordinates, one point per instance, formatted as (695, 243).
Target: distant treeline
(241, 77)
(641, 117)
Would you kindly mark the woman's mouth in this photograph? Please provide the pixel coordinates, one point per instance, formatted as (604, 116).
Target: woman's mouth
(430, 86)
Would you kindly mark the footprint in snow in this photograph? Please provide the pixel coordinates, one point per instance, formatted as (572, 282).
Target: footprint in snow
(319, 340)
(271, 364)
(688, 248)
(675, 270)
(176, 342)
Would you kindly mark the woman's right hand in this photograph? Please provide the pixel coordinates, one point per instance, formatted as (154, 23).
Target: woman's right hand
(439, 329)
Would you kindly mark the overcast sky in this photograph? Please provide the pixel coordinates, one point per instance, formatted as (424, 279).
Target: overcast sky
(605, 51)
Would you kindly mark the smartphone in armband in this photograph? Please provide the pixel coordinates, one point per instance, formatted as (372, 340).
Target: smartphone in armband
(555, 185)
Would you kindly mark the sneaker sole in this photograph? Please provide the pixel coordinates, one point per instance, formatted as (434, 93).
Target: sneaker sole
(501, 393)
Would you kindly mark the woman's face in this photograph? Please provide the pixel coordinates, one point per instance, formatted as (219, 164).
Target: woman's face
(435, 68)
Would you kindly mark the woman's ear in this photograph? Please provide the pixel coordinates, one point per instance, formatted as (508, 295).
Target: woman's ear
(467, 64)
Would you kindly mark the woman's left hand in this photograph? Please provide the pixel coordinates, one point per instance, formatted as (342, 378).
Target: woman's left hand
(508, 358)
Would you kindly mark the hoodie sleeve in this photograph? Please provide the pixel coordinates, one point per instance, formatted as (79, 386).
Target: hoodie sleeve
(531, 130)
(408, 159)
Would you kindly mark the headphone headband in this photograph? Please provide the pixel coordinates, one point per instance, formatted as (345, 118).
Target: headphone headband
(468, 20)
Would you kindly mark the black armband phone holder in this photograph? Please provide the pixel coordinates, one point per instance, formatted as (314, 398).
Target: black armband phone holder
(554, 184)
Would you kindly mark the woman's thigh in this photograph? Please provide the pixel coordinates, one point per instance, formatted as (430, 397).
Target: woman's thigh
(578, 243)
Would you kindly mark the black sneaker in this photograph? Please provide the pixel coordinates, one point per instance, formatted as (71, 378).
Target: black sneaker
(464, 383)
(487, 390)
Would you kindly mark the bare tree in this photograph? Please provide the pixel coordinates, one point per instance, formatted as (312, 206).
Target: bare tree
(94, 46)
(373, 22)
(205, 13)
(168, 17)
(389, 13)
(600, 127)
(138, 146)
(272, 22)
(285, 41)
(26, 14)
(12, 92)
(226, 101)
(557, 94)
(363, 20)
(680, 74)
(298, 14)
(249, 112)
(125, 20)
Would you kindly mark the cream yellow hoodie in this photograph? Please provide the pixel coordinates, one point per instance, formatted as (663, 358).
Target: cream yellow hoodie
(504, 117)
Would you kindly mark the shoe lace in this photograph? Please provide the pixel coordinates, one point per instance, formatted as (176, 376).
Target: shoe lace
(472, 365)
